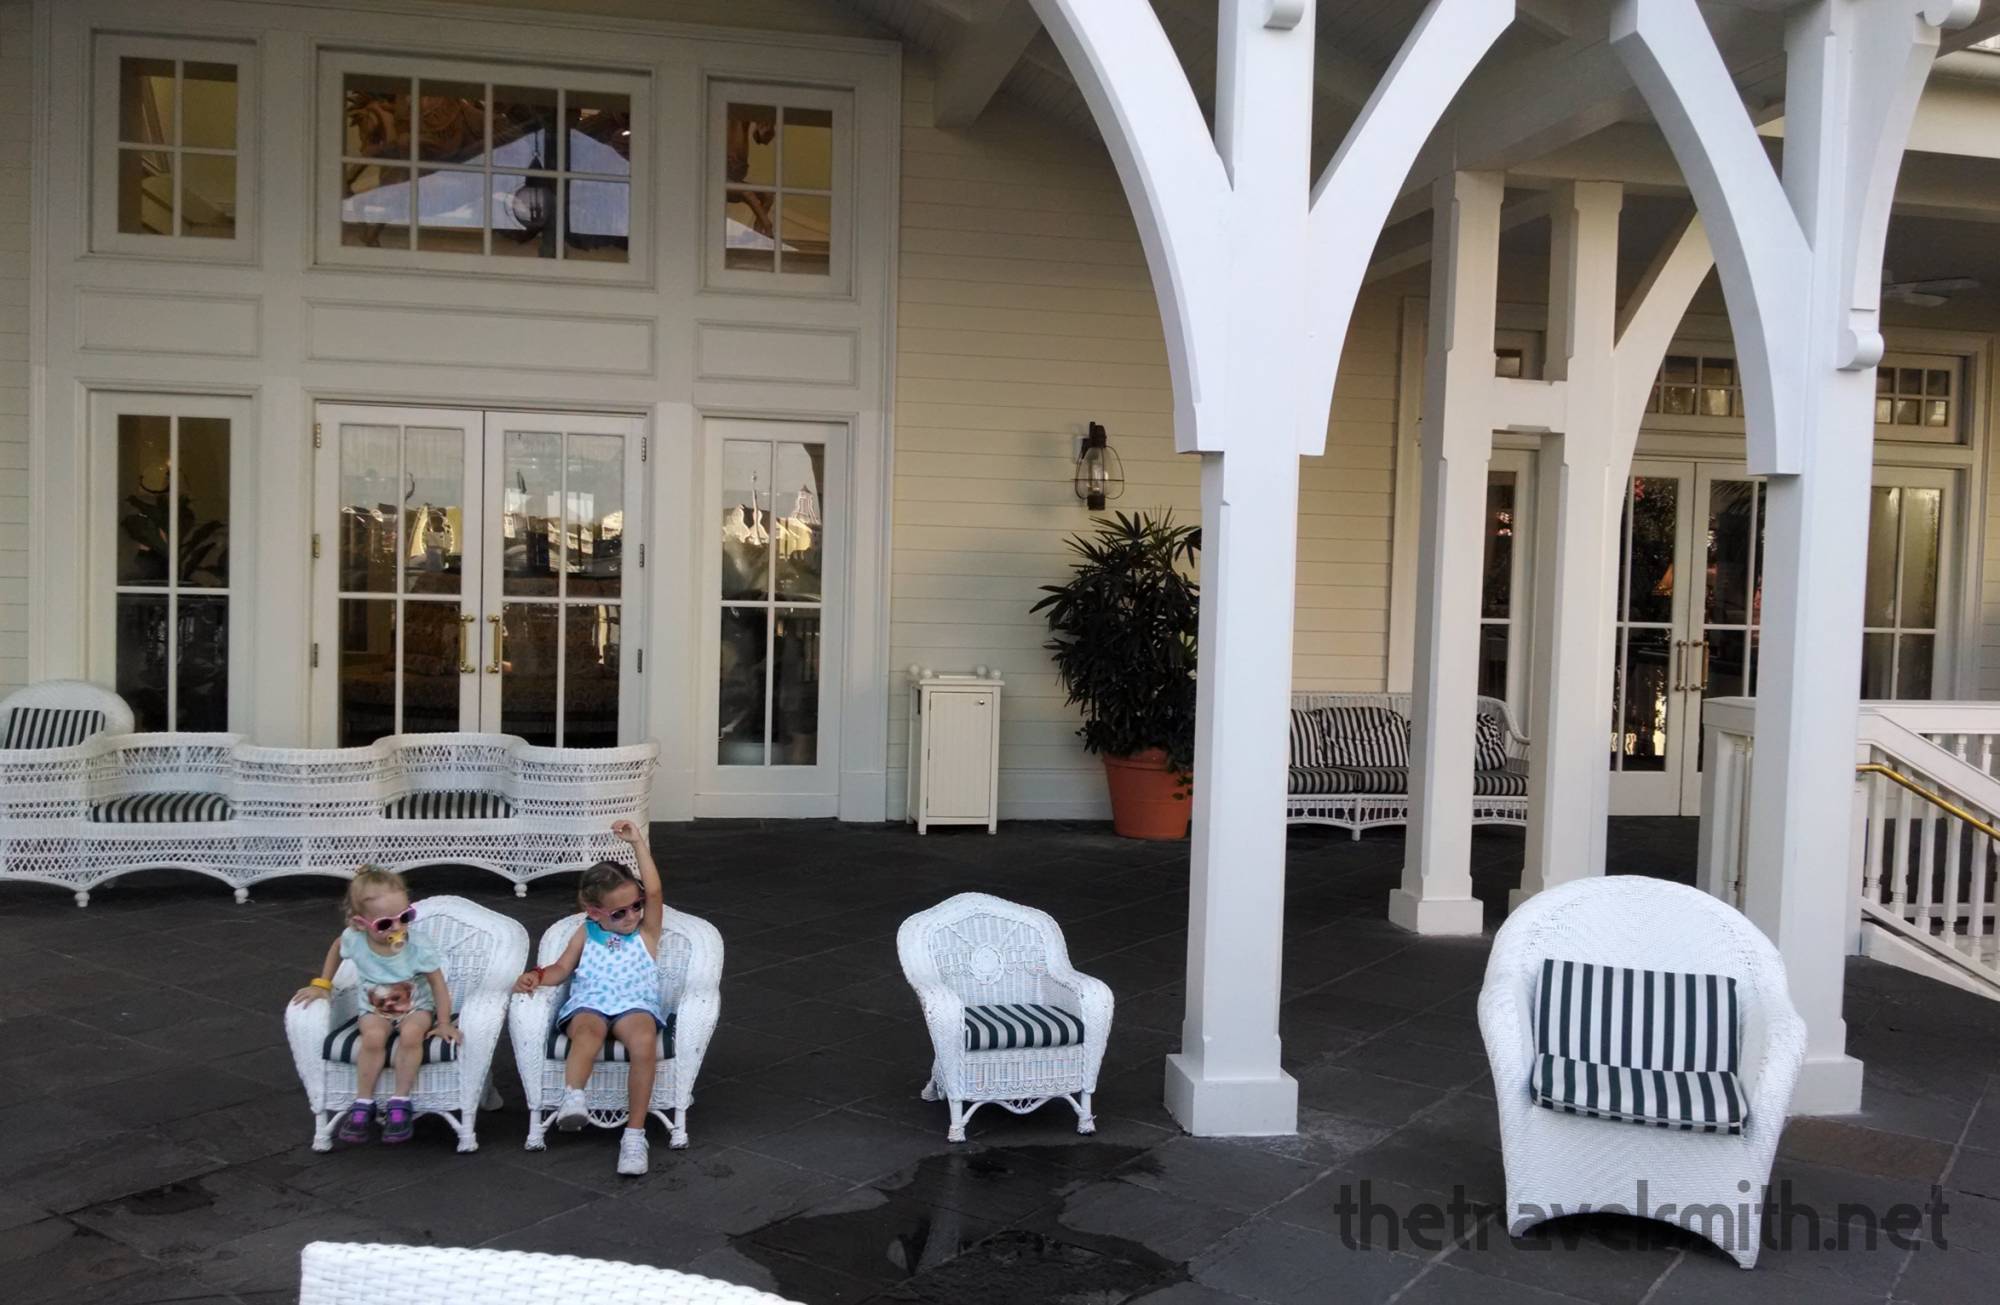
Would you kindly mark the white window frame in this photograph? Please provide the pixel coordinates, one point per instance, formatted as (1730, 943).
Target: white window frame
(330, 131)
(1522, 465)
(1956, 430)
(102, 523)
(1950, 485)
(838, 282)
(105, 237)
(768, 788)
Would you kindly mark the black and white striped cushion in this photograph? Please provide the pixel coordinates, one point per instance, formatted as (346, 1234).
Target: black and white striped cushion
(1364, 736)
(613, 1050)
(1020, 1026)
(50, 727)
(1326, 781)
(1613, 1021)
(1692, 1100)
(455, 804)
(162, 809)
(1510, 780)
(1308, 738)
(344, 1043)
(1489, 743)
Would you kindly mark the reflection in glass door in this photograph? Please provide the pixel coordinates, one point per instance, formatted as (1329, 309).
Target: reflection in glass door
(1719, 656)
(476, 574)
(1646, 705)
(1908, 521)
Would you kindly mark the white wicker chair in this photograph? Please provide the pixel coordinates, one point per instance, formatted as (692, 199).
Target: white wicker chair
(976, 950)
(348, 1273)
(68, 695)
(1571, 1163)
(484, 953)
(691, 995)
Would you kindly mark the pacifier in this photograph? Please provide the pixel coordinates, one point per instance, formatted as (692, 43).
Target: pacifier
(396, 939)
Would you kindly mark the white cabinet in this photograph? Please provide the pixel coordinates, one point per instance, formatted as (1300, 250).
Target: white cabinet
(954, 749)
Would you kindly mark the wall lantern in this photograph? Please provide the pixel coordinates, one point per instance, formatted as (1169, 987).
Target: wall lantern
(1100, 476)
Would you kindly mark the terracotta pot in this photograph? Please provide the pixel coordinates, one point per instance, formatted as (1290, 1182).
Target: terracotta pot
(1148, 800)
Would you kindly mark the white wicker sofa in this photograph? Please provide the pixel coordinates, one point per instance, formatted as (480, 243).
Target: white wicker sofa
(1350, 766)
(93, 807)
(690, 994)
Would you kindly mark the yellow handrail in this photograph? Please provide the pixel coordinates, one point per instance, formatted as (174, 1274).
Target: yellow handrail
(1936, 800)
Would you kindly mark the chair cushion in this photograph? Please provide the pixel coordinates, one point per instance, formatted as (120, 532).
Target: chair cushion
(449, 804)
(1636, 1019)
(1327, 781)
(1698, 1101)
(1364, 736)
(162, 809)
(50, 727)
(1020, 1026)
(1510, 780)
(1489, 742)
(344, 1043)
(613, 1050)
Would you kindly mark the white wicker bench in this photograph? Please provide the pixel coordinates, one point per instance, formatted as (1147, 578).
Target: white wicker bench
(80, 814)
(1362, 796)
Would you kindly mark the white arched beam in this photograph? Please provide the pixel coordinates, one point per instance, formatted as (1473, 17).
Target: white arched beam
(1173, 178)
(1806, 321)
(1757, 240)
(1351, 202)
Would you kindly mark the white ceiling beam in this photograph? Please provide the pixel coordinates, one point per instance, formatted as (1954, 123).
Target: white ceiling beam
(1979, 29)
(971, 71)
(1517, 214)
(1555, 18)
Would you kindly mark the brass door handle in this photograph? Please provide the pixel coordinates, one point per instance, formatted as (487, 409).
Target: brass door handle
(466, 665)
(499, 645)
(1703, 686)
(1680, 665)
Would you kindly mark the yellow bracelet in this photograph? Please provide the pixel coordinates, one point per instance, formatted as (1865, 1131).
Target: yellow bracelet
(322, 983)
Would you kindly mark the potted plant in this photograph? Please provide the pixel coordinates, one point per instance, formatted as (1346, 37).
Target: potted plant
(1124, 630)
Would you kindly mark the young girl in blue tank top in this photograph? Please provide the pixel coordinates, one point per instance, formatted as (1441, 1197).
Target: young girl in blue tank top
(613, 967)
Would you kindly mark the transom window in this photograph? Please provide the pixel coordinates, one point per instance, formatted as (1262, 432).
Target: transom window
(1922, 397)
(780, 194)
(1916, 395)
(171, 155)
(1697, 385)
(437, 162)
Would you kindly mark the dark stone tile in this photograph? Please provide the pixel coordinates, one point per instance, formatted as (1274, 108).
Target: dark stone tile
(1418, 1062)
(605, 1229)
(172, 1094)
(56, 1260)
(1281, 1263)
(1323, 1139)
(730, 1191)
(88, 1173)
(268, 1259)
(1931, 1275)
(1172, 1227)
(834, 1076)
(1839, 1144)
(850, 1145)
(1245, 1179)
(998, 1184)
(733, 1113)
(1354, 1094)
(870, 1235)
(782, 1275)
(1609, 1259)
(1445, 1285)
(177, 1223)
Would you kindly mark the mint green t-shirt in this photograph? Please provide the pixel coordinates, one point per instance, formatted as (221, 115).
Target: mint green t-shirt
(393, 985)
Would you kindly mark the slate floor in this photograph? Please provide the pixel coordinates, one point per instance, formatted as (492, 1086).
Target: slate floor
(153, 1134)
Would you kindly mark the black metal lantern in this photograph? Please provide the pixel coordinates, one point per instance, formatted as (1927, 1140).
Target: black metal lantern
(1100, 476)
(533, 204)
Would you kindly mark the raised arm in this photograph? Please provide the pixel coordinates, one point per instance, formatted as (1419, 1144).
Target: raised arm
(631, 834)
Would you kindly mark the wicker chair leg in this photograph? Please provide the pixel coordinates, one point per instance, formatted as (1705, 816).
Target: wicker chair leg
(538, 1126)
(323, 1123)
(490, 1098)
(463, 1123)
(1086, 1122)
(930, 1092)
(83, 897)
(520, 890)
(959, 1114)
(242, 895)
(677, 1129)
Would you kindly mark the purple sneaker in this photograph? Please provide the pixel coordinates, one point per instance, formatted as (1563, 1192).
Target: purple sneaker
(354, 1128)
(399, 1121)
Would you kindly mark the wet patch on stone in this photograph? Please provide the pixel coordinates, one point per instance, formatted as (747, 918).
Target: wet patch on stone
(168, 1199)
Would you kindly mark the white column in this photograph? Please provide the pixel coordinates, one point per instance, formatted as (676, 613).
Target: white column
(1457, 443)
(1581, 473)
(1227, 1077)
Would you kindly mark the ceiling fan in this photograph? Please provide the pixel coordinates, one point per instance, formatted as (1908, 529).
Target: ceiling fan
(1924, 294)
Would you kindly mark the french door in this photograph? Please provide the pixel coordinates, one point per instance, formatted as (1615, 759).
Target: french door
(471, 575)
(1690, 604)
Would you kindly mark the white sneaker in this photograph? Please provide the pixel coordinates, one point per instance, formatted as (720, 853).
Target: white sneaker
(632, 1152)
(572, 1114)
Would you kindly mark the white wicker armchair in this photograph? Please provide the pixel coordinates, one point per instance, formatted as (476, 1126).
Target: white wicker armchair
(1559, 1162)
(975, 951)
(348, 1273)
(690, 995)
(484, 952)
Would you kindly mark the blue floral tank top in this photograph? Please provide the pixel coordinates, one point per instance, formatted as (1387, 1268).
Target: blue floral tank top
(615, 975)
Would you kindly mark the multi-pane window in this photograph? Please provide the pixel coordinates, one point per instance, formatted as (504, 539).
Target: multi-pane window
(1697, 385)
(772, 595)
(171, 520)
(171, 164)
(1900, 599)
(518, 166)
(779, 189)
(1496, 601)
(778, 207)
(1924, 398)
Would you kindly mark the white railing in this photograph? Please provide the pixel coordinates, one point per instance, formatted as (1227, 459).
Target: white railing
(1924, 865)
